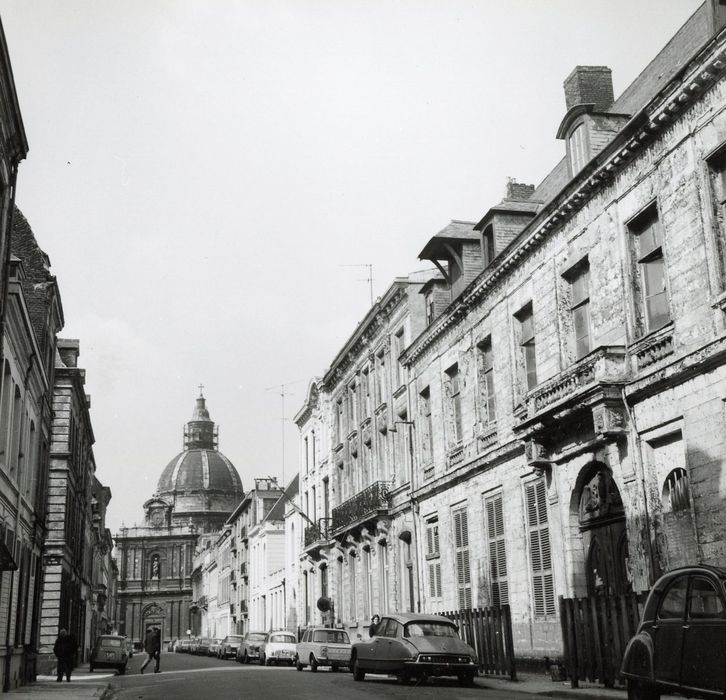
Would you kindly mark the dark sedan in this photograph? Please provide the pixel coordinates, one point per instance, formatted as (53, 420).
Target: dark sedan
(680, 645)
(408, 645)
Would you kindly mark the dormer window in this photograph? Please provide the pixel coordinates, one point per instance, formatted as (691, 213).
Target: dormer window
(487, 245)
(577, 147)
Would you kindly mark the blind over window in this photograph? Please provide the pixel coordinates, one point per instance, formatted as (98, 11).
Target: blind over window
(539, 549)
(497, 551)
(463, 569)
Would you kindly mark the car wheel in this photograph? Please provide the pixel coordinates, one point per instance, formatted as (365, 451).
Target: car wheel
(333, 667)
(640, 691)
(269, 662)
(466, 679)
(298, 665)
(313, 664)
(262, 659)
(358, 673)
(122, 670)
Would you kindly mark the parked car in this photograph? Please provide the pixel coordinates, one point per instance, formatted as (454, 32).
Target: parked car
(409, 645)
(279, 647)
(109, 651)
(214, 646)
(680, 642)
(202, 647)
(249, 649)
(229, 646)
(323, 647)
(183, 646)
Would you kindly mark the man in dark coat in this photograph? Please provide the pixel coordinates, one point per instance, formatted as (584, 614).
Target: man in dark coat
(65, 651)
(152, 646)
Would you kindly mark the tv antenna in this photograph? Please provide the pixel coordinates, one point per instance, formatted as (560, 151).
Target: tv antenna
(369, 279)
(282, 388)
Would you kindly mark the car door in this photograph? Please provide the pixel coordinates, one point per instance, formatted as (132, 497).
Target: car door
(388, 649)
(704, 643)
(668, 631)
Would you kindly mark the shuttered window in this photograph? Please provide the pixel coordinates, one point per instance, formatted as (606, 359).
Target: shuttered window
(497, 551)
(540, 552)
(433, 557)
(463, 570)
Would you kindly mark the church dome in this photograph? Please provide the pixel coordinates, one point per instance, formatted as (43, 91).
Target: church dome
(200, 484)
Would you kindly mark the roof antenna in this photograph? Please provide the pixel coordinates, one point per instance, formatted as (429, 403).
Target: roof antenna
(368, 279)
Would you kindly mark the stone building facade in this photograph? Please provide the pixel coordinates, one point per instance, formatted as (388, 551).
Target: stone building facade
(565, 401)
(195, 494)
(68, 599)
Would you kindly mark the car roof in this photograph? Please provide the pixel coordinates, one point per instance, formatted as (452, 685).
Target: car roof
(717, 571)
(405, 618)
(111, 636)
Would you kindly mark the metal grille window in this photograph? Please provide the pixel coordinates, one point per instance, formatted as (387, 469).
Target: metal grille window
(676, 497)
(486, 381)
(539, 549)
(497, 551)
(527, 343)
(648, 235)
(463, 569)
(433, 557)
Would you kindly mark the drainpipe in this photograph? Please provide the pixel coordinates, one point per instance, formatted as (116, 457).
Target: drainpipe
(641, 469)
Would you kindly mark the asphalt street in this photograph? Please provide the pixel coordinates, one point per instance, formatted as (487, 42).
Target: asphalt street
(185, 677)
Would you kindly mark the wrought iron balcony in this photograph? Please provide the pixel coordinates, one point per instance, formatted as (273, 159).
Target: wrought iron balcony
(367, 504)
(315, 534)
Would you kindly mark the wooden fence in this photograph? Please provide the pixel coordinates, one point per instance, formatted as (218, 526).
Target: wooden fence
(595, 632)
(489, 631)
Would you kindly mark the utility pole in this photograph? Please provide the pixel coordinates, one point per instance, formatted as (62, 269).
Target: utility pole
(368, 279)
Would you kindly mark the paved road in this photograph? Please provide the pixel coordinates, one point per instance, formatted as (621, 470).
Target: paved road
(185, 677)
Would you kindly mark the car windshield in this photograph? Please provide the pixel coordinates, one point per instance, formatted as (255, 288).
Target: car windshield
(256, 637)
(106, 642)
(234, 638)
(429, 629)
(283, 638)
(331, 637)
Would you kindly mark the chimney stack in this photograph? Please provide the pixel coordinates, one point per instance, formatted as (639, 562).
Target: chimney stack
(69, 349)
(518, 190)
(589, 85)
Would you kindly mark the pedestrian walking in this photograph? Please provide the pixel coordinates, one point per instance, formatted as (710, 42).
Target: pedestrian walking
(152, 646)
(65, 651)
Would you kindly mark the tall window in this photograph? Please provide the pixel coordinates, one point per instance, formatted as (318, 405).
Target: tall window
(307, 454)
(382, 385)
(353, 406)
(454, 403)
(463, 569)
(433, 557)
(579, 279)
(527, 343)
(365, 387)
(648, 239)
(368, 578)
(352, 578)
(383, 576)
(487, 245)
(498, 583)
(543, 590)
(427, 427)
(398, 348)
(486, 381)
(324, 581)
(339, 421)
(578, 149)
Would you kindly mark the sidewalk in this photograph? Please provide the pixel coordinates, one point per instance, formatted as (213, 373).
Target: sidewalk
(83, 685)
(542, 684)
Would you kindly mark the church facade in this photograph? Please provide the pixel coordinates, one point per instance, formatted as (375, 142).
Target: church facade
(195, 494)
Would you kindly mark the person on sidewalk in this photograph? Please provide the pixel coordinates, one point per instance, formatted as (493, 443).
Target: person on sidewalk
(152, 646)
(65, 651)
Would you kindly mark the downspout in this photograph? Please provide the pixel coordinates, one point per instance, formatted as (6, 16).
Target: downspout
(641, 469)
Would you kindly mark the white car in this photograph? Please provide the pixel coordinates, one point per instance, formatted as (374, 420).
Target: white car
(278, 647)
(323, 647)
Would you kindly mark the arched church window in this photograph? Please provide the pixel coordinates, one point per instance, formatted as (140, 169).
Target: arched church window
(676, 492)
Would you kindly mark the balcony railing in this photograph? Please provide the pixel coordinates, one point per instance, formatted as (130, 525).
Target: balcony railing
(366, 504)
(315, 533)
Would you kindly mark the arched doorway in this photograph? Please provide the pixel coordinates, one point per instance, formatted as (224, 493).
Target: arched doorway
(601, 518)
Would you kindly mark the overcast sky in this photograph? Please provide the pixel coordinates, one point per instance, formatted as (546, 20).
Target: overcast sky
(201, 172)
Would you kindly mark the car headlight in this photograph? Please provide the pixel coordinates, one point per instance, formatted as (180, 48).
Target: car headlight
(324, 651)
(425, 658)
